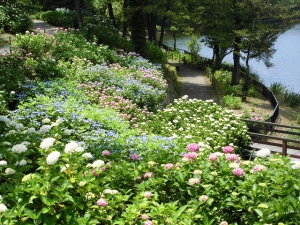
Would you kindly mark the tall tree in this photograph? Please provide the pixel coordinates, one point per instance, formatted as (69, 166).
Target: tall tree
(223, 22)
(78, 7)
(111, 13)
(137, 25)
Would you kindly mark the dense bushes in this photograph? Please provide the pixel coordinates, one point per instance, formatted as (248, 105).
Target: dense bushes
(61, 18)
(14, 20)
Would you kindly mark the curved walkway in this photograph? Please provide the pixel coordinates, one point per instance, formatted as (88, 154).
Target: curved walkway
(194, 83)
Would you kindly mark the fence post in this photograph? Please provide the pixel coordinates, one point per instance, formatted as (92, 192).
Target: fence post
(9, 42)
(284, 148)
(265, 132)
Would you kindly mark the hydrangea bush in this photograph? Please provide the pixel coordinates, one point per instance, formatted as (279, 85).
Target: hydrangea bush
(70, 156)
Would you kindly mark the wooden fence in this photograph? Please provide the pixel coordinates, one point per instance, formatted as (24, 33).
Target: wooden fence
(263, 132)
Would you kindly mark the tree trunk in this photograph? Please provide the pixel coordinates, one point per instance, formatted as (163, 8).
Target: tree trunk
(78, 6)
(174, 37)
(125, 19)
(162, 30)
(153, 19)
(111, 13)
(138, 34)
(148, 25)
(236, 63)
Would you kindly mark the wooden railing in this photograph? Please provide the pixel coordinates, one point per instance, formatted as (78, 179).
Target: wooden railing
(263, 132)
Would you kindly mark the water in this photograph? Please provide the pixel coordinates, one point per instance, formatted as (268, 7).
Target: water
(286, 60)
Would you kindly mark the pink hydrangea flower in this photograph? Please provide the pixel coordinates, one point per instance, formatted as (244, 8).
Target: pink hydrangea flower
(238, 172)
(168, 166)
(145, 217)
(148, 175)
(94, 173)
(106, 152)
(228, 149)
(232, 157)
(134, 156)
(213, 157)
(103, 169)
(194, 181)
(192, 147)
(258, 168)
(148, 222)
(102, 202)
(190, 155)
(224, 223)
(148, 194)
(203, 198)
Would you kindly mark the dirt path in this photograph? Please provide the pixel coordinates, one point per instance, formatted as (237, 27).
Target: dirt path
(194, 83)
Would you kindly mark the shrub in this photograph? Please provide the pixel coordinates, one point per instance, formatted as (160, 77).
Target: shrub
(232, 102)
(292, 99)
(277, 88)
(155, 54)
(60, 17)
(14, 20)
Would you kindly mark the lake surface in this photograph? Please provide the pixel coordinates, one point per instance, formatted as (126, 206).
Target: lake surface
(286, 60)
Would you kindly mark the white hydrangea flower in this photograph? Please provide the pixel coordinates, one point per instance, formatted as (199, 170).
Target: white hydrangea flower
(114, 192)
(30, 130)
(4, 119)
(9, 171)
(234, 165)
(47, 143)
(296, 164)
(3, 208)
(98, 163)
(79, 149)
(87, 155)
(107, 191)
(19, 148)
(12, 132)
(64, 168)
(44, 129)
(53, 157)
(6, 143)
(26, 143)
(263, 153)
(3, 163)
(67, 132)
(46, 120)
(23, 162)
(59, 121)
(71, 147)
(19, 126)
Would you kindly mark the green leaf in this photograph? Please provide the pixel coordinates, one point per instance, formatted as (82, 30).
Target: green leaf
(179, 212)
(260, 213)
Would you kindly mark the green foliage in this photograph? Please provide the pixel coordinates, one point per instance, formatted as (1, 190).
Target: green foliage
(232, 102)
(12, 74)
(60, 17)
(36, 45)
(14, 20)
(194, 47)
(298, 118)
(101, 31)
(155, 54)
(277, 88)
(292, 99)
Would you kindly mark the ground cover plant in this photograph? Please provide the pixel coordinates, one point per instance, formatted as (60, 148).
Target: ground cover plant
(93, 144)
